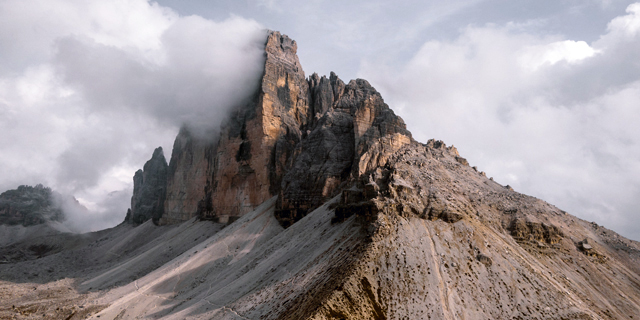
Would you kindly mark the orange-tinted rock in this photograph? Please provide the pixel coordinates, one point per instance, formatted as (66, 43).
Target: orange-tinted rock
(244, 167)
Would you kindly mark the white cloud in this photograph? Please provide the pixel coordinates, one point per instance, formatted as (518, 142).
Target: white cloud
(570, 51)
(89, 89)
(556, 118)
(627, 26)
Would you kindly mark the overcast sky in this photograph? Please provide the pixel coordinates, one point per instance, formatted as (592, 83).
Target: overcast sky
(541, 95)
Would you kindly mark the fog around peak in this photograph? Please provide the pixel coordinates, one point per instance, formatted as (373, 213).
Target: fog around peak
(89, 90)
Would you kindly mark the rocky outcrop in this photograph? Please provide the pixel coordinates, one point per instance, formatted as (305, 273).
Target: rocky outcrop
(353, 132)
(301, 139)
(149, 190)
(29, 206)
(188, 173)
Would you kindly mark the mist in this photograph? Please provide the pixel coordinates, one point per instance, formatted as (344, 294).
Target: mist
(89, 90)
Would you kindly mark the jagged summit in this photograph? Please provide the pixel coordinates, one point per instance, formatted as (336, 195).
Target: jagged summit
(300, 139)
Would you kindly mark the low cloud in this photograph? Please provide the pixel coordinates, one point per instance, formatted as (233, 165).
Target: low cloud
(553, 117)
(89, 89)
(202, 69)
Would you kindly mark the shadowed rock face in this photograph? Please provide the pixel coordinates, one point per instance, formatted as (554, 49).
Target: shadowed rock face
(149, 189)
(243, 167)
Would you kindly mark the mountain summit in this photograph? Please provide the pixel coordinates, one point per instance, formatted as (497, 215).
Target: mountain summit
(300, 139)
(422, 235)
(323, 206)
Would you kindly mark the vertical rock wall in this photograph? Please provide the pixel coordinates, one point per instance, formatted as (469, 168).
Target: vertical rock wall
(244, 167)
(302, 139)
(188, 173)
(353, 131)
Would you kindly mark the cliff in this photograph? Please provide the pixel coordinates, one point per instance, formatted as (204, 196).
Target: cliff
(301, 139)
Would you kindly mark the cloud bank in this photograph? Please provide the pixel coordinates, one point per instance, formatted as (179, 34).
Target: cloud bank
(553, 117)
(89, 89)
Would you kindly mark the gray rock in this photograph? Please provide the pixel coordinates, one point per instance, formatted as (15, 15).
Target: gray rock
(149, 190)
(354, 132)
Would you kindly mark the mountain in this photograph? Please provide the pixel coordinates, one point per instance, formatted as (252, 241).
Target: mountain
(300, 139)
(314, 202)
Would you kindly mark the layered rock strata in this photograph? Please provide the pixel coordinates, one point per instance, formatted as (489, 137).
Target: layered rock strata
(353, 131)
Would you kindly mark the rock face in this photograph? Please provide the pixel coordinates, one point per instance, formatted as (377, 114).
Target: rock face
(244, 166)
(352, 131)
(29, 206)
(149, 190)
(301, 139)
(441, 241)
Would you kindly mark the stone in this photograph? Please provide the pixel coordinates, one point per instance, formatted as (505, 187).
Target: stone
(243, 166)
(524, 229)
(585, 245)
(353, 133)
(149, 190)
(484, 259)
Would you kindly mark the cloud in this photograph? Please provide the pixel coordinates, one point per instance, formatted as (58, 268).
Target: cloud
(205, 68)
(89, 89)
(553, 117)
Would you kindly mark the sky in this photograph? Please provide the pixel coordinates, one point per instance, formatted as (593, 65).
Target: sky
(541, 95)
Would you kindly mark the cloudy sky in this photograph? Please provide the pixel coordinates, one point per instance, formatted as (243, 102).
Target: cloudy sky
(541, 95)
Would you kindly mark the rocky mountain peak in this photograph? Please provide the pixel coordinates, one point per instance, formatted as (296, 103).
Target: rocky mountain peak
(264, 146)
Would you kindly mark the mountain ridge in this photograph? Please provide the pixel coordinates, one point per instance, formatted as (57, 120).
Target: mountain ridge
(319, 204)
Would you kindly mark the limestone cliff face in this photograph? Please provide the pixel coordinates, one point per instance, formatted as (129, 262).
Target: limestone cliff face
(149, 190)
(301, 139)
(244, 166)
(255, 145)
